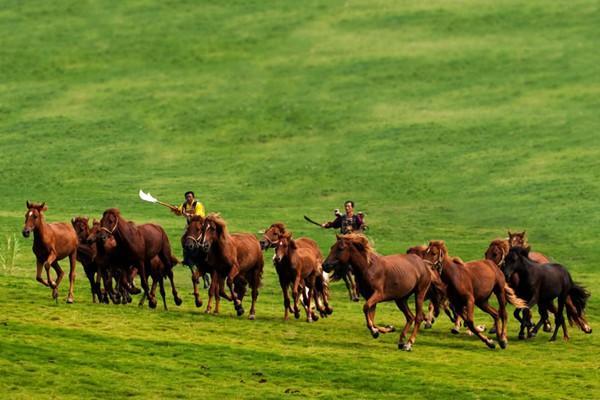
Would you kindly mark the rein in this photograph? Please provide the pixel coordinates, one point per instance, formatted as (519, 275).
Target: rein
(111, 231)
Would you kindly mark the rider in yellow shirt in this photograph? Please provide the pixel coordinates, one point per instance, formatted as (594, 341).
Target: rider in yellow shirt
(190, 206)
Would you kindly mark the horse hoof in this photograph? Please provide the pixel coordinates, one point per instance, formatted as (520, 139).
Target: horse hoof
(134, 290)
(587, 329)
(522, 336)
(329, 311)
(491, 344)
(407, 347)
(69, 300)
(251, 317)
(296, 315)
(427, 325)
(375, 334)
(355, 299)
(552, 339)
(178, 301)
(547, 328)
(492, 330)
(240, 311)
(455, 331)
(392, 328)
(198, 303)
(129, 299)
(503, 344)
(566, 338)
(152, 304)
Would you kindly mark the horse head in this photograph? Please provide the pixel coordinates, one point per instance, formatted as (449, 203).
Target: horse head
(33, 217)
(436, 253)
(515, 261)
(517, 239)
(283, 246)
(82, 229)
(272, 235)
(108, 224)
(190, 240)
(214, 229)
(497, 251)
(417, 250)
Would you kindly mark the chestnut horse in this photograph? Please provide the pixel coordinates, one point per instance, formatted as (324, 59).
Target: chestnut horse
(302, 266)
(86, 255)
(277, 230)
(287, 274)
(383, 278)
(51, 243)
(471, 284)
(519, 239)
(137, 246)
(543, 284)
(232, 256)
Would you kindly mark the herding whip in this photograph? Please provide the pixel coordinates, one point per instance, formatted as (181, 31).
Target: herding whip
(151, 199)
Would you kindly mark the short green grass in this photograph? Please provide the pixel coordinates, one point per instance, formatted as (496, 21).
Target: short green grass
(442, 120)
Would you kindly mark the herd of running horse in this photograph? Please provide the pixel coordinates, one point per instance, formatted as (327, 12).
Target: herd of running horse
(114, 250)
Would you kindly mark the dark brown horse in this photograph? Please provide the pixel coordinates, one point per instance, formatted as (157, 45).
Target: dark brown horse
(232, 256)
(137, 246)
(51, 243)
(287, 274)
(105, 252)
(383, 278)
(86, 255)
(301, 266)
(471, 284)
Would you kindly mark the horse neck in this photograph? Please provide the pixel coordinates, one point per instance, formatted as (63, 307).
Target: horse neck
(360, 263)
(42, 231)
(448, 268)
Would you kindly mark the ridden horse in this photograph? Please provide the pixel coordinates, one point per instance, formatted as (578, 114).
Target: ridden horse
(137, 246)
(542, 283)
(277, 230)
(472, 283)
(232, 256)
(383, 278)
(285, 272)
(86, 255)
(51, 243)
(301, 266)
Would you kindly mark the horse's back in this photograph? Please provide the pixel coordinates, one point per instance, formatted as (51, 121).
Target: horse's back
(247, 249)
(539, 258)
(310, 244)
(484, 276)
(403, 273)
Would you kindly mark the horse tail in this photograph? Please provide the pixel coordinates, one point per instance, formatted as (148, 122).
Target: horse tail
(512, 297)
(579, 296)
(321, 286)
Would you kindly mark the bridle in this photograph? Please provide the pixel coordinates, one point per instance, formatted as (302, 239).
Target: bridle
(437, 264)
(110, 231)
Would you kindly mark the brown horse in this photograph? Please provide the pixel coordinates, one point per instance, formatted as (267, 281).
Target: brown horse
(51, 243)
(287, 274)
(383, 278)
(471, 284)
(301, 266)
(277, 230)
(137, 246)
(232, 256)
(86, 255)
(105, 252)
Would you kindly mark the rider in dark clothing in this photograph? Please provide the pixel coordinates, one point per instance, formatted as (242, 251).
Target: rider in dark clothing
(349, 222)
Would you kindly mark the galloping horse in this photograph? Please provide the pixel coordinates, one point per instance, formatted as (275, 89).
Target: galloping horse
(86, 255)
(301, 266)
(287, 274)
(519, 239)
(543, 284)
(472, 283)
(232, 256)
(277, 230)
(383, 278)
(51, 243)
(136, 246)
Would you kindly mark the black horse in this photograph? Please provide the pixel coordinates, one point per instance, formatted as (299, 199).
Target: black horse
(542, 283)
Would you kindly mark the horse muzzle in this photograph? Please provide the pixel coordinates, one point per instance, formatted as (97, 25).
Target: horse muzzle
(329, 266)
(26, 232)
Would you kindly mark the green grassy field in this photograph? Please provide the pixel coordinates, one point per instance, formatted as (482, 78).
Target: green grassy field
(442, 120)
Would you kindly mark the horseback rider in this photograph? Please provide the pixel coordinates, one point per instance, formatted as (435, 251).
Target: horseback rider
(190, 207)
(348, 222)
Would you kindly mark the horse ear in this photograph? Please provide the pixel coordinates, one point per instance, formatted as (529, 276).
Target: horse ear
(524, 232)
(509, 233)
(73, 221)
(43, 207)
(338, 237)
(28, 204)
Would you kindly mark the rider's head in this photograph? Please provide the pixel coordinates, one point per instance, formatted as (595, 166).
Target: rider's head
(349, 206)
(189, 196)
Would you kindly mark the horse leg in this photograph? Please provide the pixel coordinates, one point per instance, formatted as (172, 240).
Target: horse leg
(176, 297)
(543, 316)
(212, 289)
(470, 309)
(408, 315)
(547, 325)
(144, 280)
(161, 285)
(72, 265)
(237, 304)
(206, 280)
(559, 320)
(308, 296)
(348, 286)
(195, 280)
(38, 275)
(485, 306)
(353, 287)
(254, 283)
(419, 317)
(59, 276)
(295, 295)
(369, 310)
(89, 273)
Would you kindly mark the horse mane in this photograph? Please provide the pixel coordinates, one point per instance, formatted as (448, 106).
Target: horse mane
(279, 225)
(221, 227)
(360, 241)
